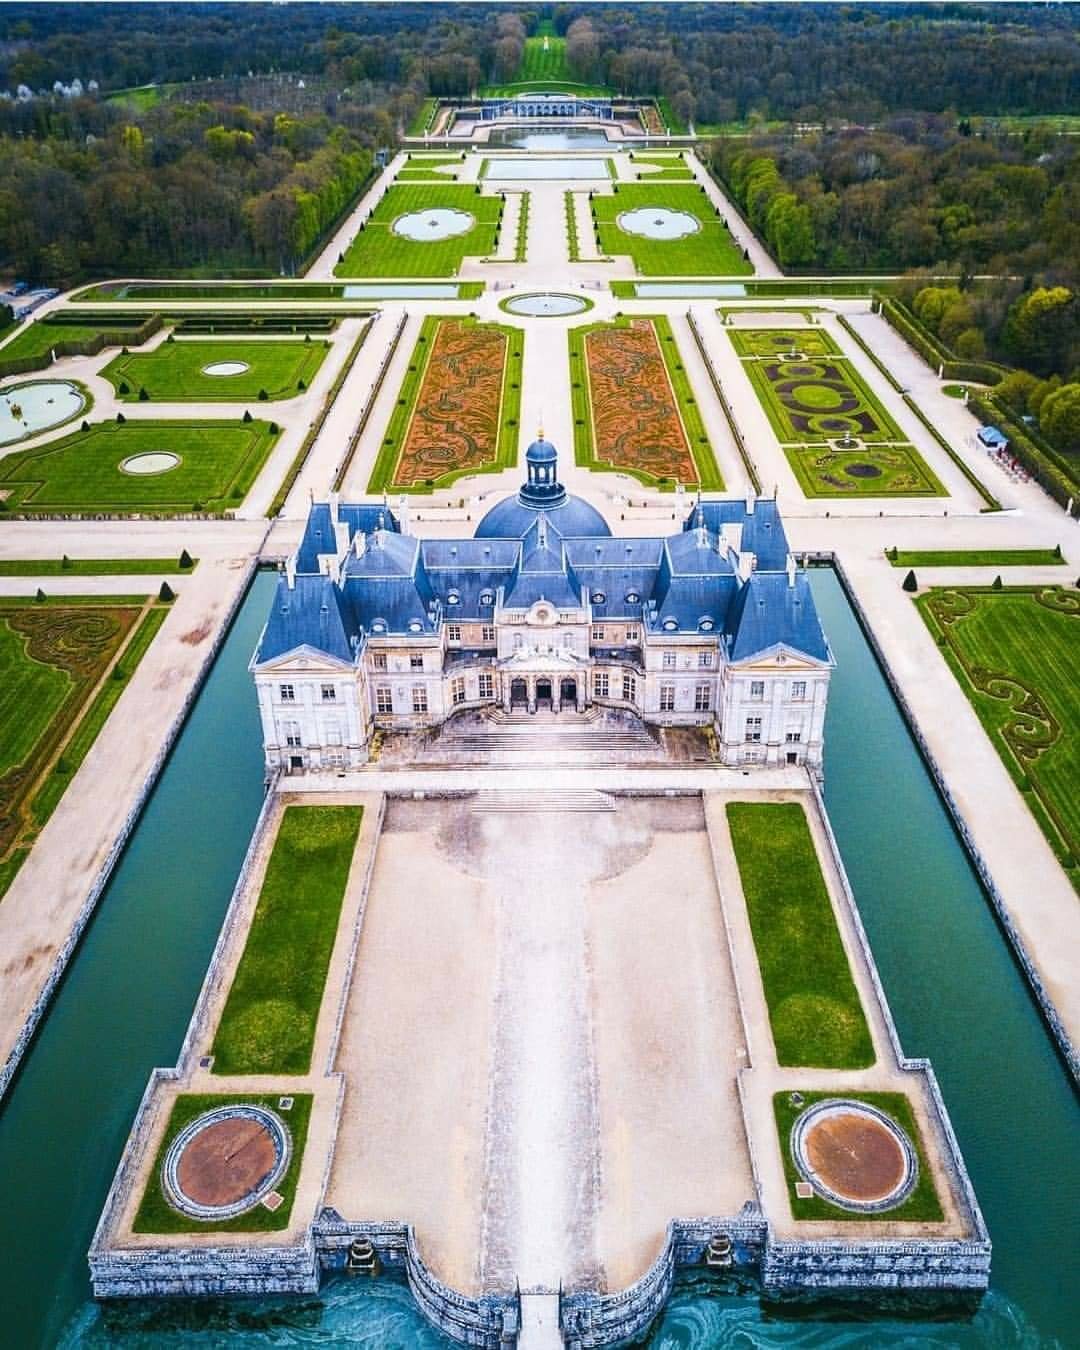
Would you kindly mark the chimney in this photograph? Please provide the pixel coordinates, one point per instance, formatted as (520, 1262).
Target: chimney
(751, 501)
(334, 501)
(290, 571)
(791, 570)
(359, 543)
(746, 566)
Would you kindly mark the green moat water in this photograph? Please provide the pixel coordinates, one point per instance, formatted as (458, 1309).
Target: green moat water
(955, 991)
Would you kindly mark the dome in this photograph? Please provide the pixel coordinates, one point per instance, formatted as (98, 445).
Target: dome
(512, 518)
(542, 491)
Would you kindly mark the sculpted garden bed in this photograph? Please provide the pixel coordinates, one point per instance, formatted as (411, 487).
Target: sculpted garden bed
(634, 411)
(457, 412)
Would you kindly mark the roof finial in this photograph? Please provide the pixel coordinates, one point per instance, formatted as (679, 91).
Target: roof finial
(540, 426)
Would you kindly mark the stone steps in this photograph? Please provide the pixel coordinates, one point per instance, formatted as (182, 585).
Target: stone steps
(568, 799)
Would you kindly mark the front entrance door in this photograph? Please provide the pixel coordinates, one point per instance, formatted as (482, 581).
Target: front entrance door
(543, 693)
(568, 693)
(519, 694)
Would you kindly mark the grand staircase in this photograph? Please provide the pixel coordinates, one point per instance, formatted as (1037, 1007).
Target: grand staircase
(543, 738)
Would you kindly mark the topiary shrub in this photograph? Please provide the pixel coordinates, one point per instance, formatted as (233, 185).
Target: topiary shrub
(186, 561)
(85, 425)
(39, 596)
(144, 397)
(274, 428)
(910, 582)
(263, 396)
(996, 584)
(121, 418)
(166, 593)
(301, 384)
(123, 387)
(66, 563)
(247, 416)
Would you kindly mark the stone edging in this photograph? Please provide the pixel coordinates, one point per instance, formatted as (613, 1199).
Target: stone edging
(729, 416)
(101, 880)
(344, 463)
(1069, 1051)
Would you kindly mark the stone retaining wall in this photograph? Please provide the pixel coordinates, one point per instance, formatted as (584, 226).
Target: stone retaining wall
(64, 953)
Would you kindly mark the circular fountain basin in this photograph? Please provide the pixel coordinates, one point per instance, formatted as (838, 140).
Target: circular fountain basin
(225, 1161)
(657, 222)
(38, 405)
(854, 1155)
(152, 462)
(439, 222)
(226, 368)
(546, 306)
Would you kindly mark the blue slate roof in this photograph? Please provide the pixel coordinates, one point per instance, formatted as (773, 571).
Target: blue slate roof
(319, 531)
(312, 613)
(769, 612)
(513, 517)
(762, 532)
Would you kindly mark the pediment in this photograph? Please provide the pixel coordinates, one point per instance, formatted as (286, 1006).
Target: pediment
(779, 657)
(304, 660)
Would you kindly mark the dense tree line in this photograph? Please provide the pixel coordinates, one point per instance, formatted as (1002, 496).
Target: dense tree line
(187, 186)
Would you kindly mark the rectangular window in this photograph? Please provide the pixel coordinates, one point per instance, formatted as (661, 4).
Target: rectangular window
(598, 633)
(753, 730)
(793, 737)
(287, 693)
(757, 688)
(487, 685)
(378, 660)
(457, 691)
(704, 660)
(600, 684)
(416, 661)
(629, 688)
(631, 635)
(487, 633)
(333, 733)
(798, 689)
(419, 699)
(702, 697)
(453, 632)
(292, 734)
(667, 698)
(384, 699)
(329, 693)
(669, 660)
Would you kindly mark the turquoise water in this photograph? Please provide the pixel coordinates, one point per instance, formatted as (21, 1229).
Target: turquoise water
(954, 989)
(26, 409)
(506, 170)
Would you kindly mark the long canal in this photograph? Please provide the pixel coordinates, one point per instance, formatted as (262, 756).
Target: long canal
(955, 990)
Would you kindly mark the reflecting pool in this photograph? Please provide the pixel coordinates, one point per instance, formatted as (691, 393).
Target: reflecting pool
(506, 170)
(437, 222)
(545, 306)
(572, 138)
(26, 409)
(657, 222)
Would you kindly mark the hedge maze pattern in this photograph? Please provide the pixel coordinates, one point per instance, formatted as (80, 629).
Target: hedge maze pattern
(635, 416)
(455, 421)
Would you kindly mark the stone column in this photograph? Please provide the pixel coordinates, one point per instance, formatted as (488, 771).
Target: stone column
(532, 693)
(507, 683)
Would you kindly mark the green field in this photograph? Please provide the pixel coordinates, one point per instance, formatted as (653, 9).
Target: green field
(386, 462)
(921, 1206)
(269, 1019)
(219, 461)
(156, 1215)
(173, 371)
(543, 71)
(1016, 654)
(660, 168)
(378, 252)
(814, 1008)
(709, 476)
(869, 471)
(52, 656)
(91, 567)
(38, 339)
(977, 557)
(709, 251)
(422, 118)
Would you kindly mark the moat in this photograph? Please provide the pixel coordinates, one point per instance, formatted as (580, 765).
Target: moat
(996, 1065)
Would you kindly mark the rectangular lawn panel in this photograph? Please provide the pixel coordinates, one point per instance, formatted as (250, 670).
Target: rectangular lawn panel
(457, 409)
(52, 659)
(156, 1215)
(379, 251)
(175, 371)
(634, 411)
(81, 473)
(814, 1008)
(978, 557)
(268, 1022)
(91, 567)
(921, 1206)
(1016, 654)
(709, 250)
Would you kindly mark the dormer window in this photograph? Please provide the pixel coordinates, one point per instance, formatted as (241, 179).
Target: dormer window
(706, 624)
(487, 597)
(378, 625)
(633, 598)
(415, 626)
(670, 625)
(599, 597)
(453, 597)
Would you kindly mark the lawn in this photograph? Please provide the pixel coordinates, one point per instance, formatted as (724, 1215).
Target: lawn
(543, 71)
(269, 1019)
(156, 1215)
(977, 557)
(921, 1206)
(818, 399)
(38, 339)
(423, 117)
(52, 656)
(377, 251)
(458, 407)
(175, 371)
(659, 168)
(634, 411)
(1016, 654)
(708, 251)
(91, 567)
(869, 471)
(218, 463)
(814, 1008)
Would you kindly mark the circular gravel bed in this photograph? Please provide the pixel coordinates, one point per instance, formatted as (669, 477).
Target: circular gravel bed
(854, 1155)
(152, 462)
(225, 1161)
